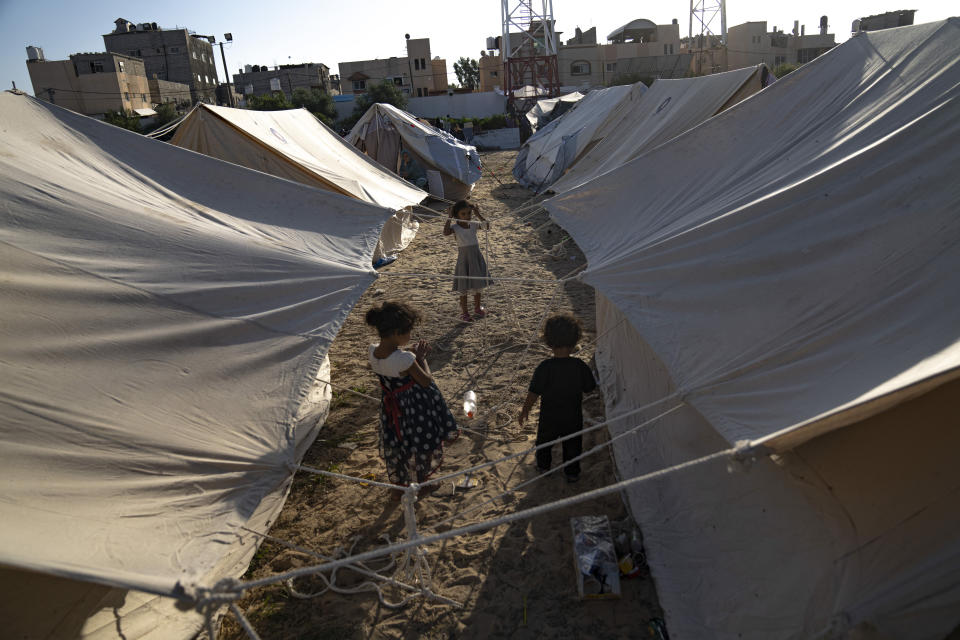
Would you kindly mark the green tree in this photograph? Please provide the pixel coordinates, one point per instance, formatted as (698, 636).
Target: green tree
(123, 120)
(166, 113)
(385, 92)
(783, 69)
(630, 78)
(273, 102)
(468, 72)
(317, 102)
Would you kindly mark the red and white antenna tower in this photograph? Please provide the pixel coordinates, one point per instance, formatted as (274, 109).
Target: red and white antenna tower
(529, 49)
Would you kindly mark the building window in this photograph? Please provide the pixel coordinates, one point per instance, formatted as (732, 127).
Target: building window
(194, 55)
(398, 80)
(96, 66)
(423, 63)
(126, 94)
(779, 60)
(611, 66)
(359, 85)
(120, 65)
(580, 68)
(143, 97)
(494, 74)
(416, 64)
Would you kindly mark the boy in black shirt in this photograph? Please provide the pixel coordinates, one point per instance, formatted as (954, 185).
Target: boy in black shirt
(560, 383)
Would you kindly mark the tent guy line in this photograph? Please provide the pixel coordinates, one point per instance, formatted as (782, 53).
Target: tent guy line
(229, 590)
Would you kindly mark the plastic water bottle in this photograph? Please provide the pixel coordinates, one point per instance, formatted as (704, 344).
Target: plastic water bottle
(470, 403)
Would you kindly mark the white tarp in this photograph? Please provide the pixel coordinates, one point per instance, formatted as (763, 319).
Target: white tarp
(647, 119)
(546, 110)
(787, 268)
(458, 163)
(293, 144)
(554, 148)
(163, 318)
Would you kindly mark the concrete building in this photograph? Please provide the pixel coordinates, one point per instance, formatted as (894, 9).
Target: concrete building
(491, 72)
(639, 48)
(416, 74)
(887, 20)
(174, 55)
(162, 91)
(91, 83)
(259, 80)
(750, 44)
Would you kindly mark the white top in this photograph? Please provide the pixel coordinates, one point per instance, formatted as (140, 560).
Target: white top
(393, 365)
(465, 237)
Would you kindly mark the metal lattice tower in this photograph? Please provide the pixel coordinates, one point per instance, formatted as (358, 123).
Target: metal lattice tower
(703, 16)
(529, 49)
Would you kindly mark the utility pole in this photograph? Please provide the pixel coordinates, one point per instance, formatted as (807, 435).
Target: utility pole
(213, 40)
(409, 67)
(229, 38)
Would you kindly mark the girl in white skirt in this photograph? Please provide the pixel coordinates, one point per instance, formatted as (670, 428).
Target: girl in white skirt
(471, 274)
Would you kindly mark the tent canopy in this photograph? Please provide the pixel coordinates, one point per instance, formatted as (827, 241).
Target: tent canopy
(723, 247)
(550, 109)
(164, 316)
(650, 118)
(438, 150)
(787, 268)
(292, 144)
(556, 147)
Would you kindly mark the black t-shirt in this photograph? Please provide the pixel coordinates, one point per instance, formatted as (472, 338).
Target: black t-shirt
(561, 383)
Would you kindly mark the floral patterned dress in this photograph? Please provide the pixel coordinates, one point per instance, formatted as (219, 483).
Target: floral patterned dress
(414, 420)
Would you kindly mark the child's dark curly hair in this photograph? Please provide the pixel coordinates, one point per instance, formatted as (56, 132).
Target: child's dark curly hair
(562, 330)
(392, 318)
(460, 205)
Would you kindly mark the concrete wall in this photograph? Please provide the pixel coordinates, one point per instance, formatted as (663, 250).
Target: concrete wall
(459, 105)
(750, 44)
(498, 139)
(491, 72)
(91, 94)
(306, 76)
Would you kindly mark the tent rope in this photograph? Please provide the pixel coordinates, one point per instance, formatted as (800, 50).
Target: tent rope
(741, 450)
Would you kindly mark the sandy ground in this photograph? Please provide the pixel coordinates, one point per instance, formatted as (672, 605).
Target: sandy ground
(514, 581)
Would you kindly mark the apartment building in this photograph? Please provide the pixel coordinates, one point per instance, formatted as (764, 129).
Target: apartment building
(750, 44)
(91, 83)
(256, 80)
(416, 74)
(491, 71)
(638, 48)
(173, 55)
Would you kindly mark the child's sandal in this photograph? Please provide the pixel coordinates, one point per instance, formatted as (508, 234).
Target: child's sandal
(465, 317)
(480, 313)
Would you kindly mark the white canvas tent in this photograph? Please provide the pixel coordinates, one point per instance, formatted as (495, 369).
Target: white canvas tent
(550, 109)
(384, 131)
(293, 144)
(664, 111)
(549, 152)
(787, 275)
(164, 319)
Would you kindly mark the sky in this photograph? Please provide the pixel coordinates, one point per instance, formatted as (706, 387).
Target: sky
(295, 31)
